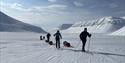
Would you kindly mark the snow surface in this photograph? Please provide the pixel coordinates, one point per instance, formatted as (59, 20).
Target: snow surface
(27, 48)
(119, 32)
(103, 25)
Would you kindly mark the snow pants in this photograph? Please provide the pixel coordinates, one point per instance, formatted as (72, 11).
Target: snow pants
(57, 43)
(83, 44)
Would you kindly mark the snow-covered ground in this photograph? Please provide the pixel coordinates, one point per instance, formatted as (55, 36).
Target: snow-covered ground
(18, 47)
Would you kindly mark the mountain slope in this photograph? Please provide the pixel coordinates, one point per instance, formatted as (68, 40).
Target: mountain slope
(103, 25)
(123, 17)
(10, 24)
(121, 32)
(65, 26)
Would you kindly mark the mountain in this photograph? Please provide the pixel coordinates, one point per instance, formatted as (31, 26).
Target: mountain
(123, 17)
(120, 32)
(10, 24)
(65, 26)
(103, 25)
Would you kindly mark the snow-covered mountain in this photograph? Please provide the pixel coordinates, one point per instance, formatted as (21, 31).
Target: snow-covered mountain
(120, 32)
(123, 17)
(103, 25)
(65, 26)
(10, 24)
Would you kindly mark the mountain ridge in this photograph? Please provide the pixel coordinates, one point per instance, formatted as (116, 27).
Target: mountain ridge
(103, 25)
(10, 24)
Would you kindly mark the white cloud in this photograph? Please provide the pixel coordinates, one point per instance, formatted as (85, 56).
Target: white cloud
(51, 9)
(19, 7)
(57, 6)
(4, 4)
(1, 3)
(14, 6)
(52, 1)
(43, 15)
(78, 3)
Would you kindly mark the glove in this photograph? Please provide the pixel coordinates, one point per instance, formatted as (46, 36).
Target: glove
(90, 35)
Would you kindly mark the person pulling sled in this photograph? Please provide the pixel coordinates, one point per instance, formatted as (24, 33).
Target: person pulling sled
(83, 35)
(57, 36)
(48, 37)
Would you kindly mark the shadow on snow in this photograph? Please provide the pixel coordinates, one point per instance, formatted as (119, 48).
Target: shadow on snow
(96, 52)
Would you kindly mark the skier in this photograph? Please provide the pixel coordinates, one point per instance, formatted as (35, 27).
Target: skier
(48, 37)
(58, 36)
(83, 35)
(41, 37)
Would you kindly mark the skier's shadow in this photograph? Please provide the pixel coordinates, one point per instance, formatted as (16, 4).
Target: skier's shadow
(96, 52)
(104, 53)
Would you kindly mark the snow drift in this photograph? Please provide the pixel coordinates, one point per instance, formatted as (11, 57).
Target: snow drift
(103, 25)
(10, 24)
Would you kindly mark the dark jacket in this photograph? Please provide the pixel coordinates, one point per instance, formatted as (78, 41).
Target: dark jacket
(58, 36)
(48, 35)
(84, 34)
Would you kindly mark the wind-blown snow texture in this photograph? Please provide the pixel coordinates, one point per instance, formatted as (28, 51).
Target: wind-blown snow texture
(10, 24)
(27, 48)
(103, 25)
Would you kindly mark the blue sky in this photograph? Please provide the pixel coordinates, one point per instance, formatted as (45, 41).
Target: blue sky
(51, 13)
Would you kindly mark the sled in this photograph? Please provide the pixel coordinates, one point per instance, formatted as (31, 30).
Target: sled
(67, 44)
(50, 43)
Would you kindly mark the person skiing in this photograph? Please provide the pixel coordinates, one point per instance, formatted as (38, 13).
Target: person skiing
(83, 35)
(48, 37)
(57, 36)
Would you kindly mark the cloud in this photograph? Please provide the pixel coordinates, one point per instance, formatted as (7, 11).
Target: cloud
(62, 11)
(45, 10)
(78, 3)
(35, 14)
(57, 6)
(14, 6)
(50, 9)
(4, 4)
(52, 1)
(113, 5)
(19, 7)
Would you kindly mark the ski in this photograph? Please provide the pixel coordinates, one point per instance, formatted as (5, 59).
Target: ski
(88, 52)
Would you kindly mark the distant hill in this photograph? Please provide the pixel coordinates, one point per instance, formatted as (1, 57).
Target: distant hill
(123, 17)
(9, 24)
(121, 32)
(65, 26)
(103, 25)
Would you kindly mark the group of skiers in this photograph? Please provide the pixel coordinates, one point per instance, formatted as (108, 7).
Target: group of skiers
(57, 36)
(83, 35)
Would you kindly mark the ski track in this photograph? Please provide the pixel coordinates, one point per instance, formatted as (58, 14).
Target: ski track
(36, 51)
